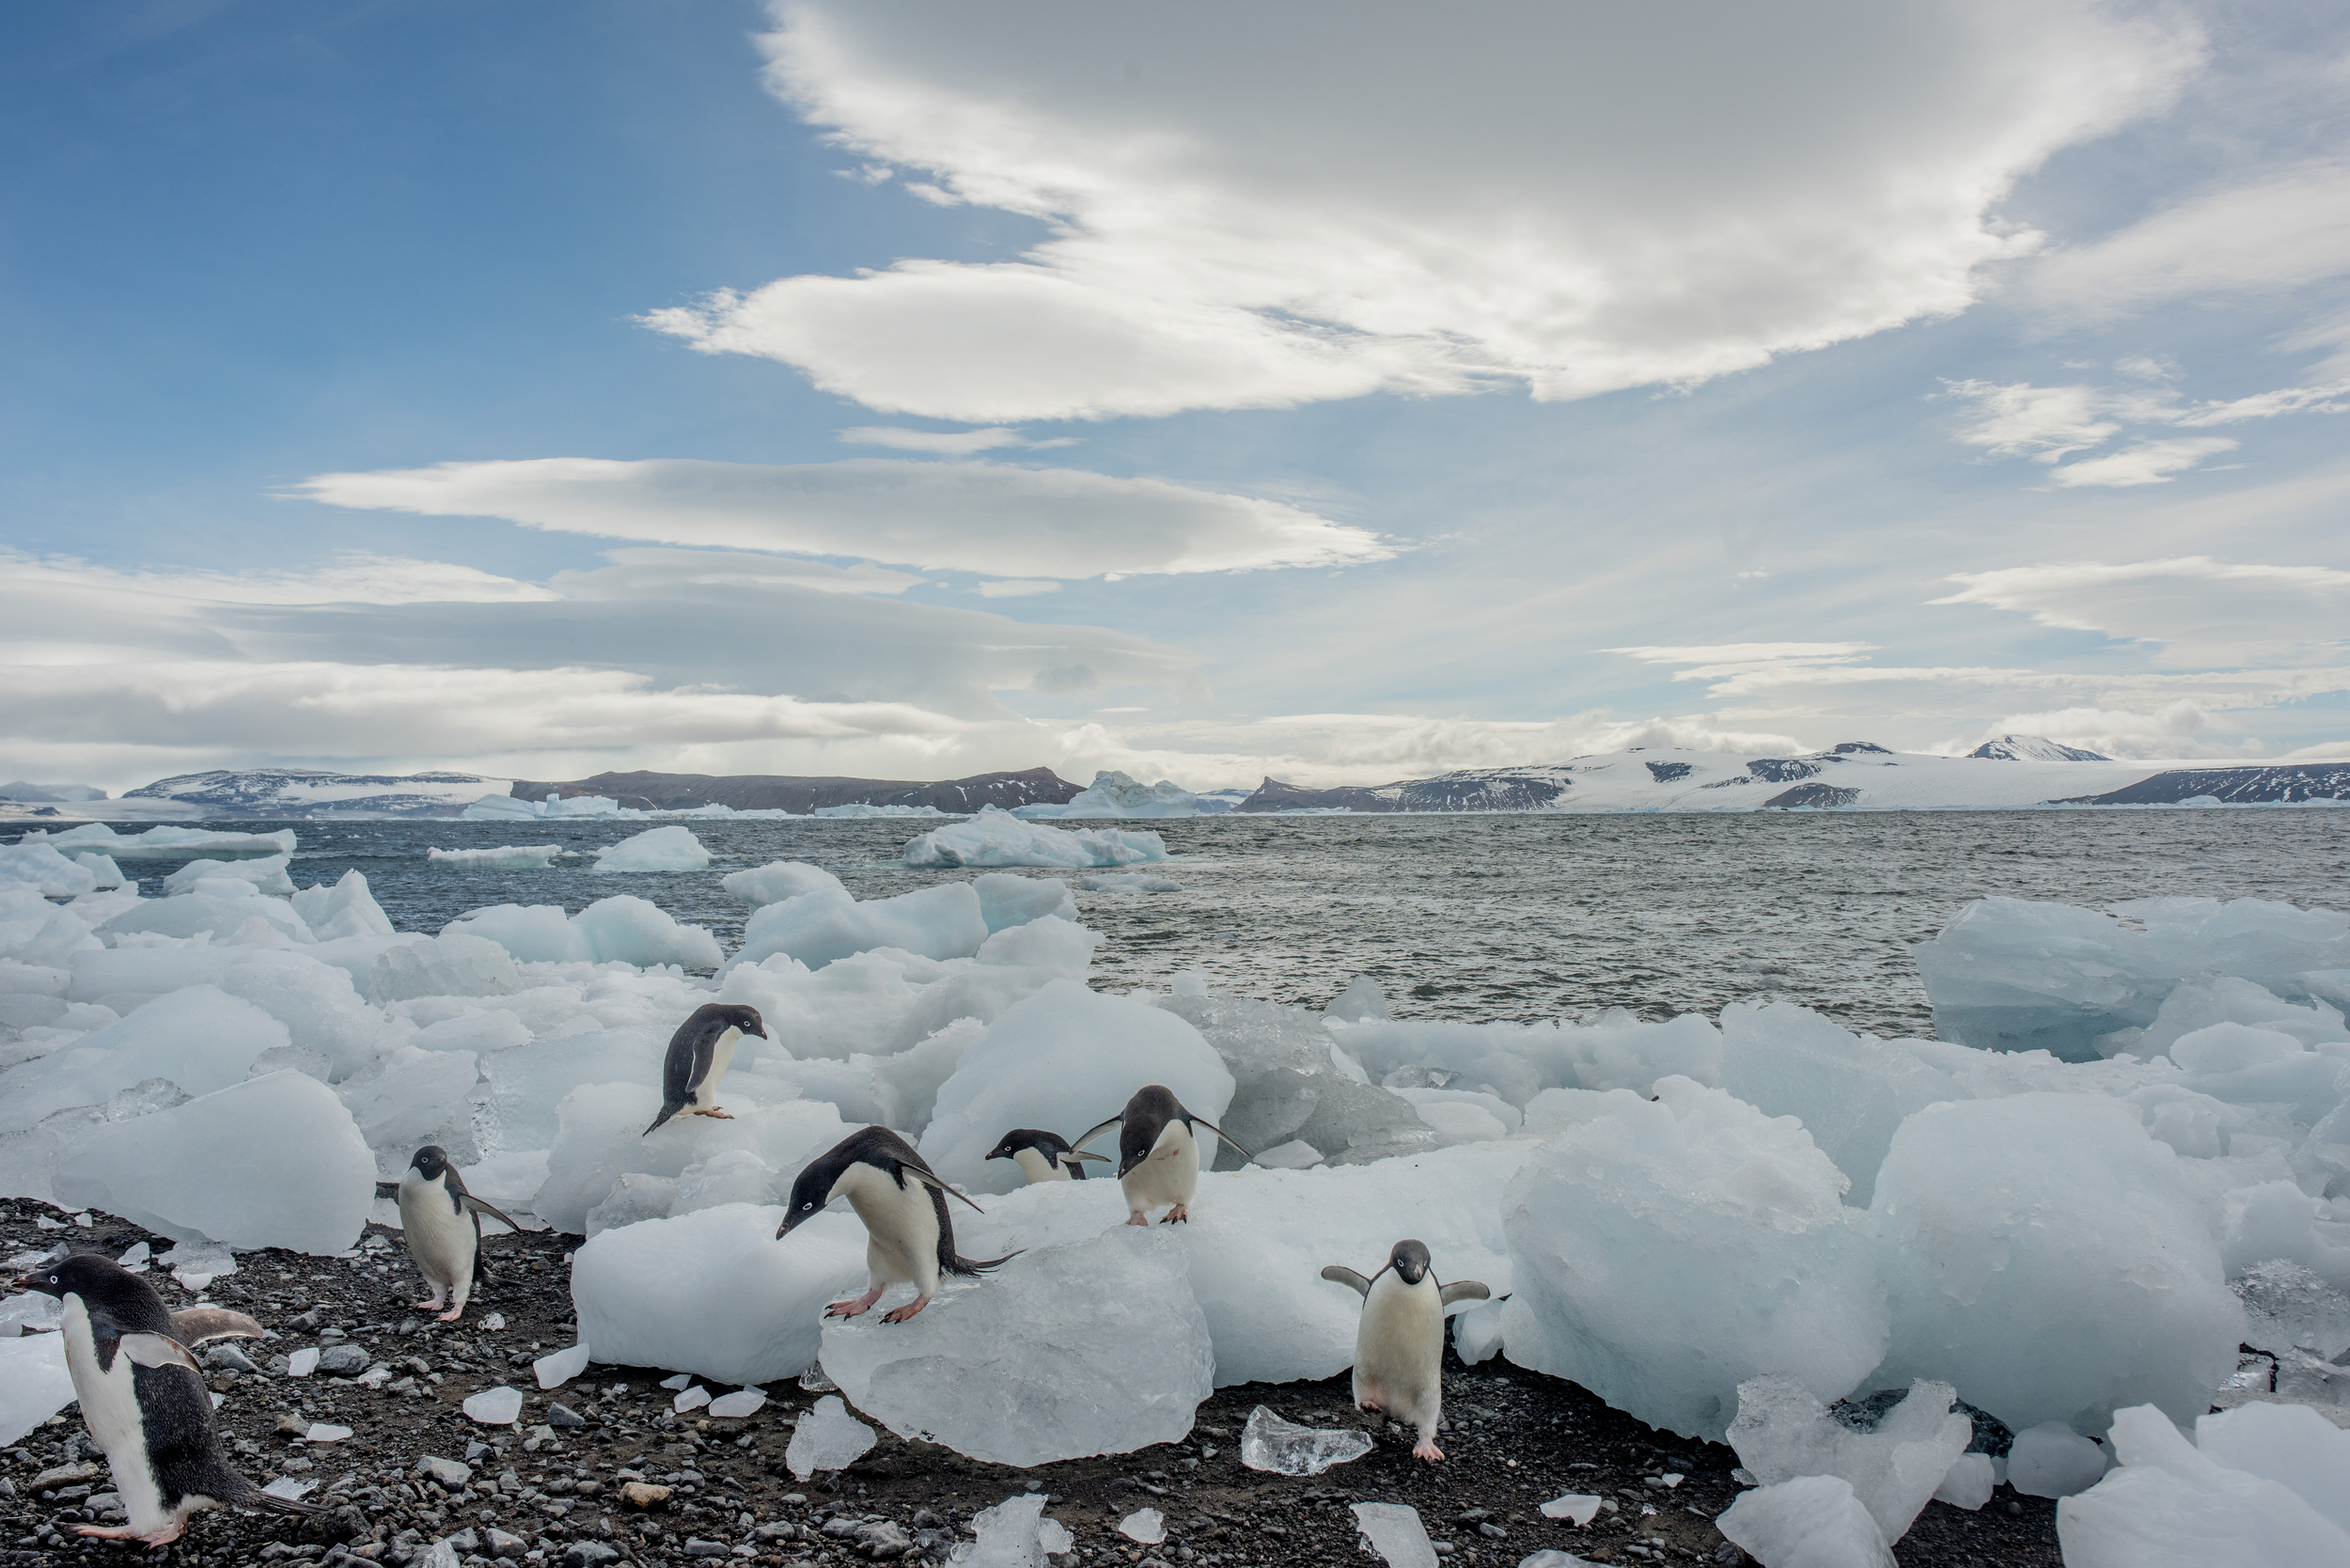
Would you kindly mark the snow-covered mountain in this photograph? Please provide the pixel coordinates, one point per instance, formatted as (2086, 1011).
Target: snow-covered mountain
(20, 789)
(1856, 773)
(278, 793)
(2034, 748)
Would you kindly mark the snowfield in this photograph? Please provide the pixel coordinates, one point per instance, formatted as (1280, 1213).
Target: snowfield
(2024, 1253)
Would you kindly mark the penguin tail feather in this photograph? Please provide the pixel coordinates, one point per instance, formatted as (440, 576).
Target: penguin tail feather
(959, 1265)
(666, 1112)
(247, 1495)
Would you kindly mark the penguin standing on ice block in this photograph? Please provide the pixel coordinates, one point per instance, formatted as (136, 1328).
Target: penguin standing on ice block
(1158, 1153)
(440, 1222)
(1399, 1345)
(700, 1054)
(145, 1402)
(909, 1234)
(1044, 1157)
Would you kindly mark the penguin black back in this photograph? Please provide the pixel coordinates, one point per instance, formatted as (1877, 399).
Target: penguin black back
(895, 1158)
(1147, 1115)
(692, 1049)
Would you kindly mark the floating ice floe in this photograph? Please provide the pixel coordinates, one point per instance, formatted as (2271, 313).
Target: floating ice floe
(509, 808)
(267, 874)
(506, 857)
(829, 1438)
(659, 849)
(1028, 1368)
(165, 842)
(1285, 1448)
(861, 808)
(996, 838)
(1116, 794)
(622, 929)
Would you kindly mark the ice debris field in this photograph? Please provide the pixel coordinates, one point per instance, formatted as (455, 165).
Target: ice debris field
(2094, 1243)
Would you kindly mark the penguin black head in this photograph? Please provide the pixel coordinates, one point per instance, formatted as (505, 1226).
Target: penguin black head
(719, 1016)
(97, 1280)
(1410, 1261)
(1048, 1144)
(431, 1161)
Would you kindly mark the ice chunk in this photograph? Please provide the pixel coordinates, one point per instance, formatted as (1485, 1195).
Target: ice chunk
(267, 874)
(411, 1097)
(820, 927)
(1968, 1483)
(1782, 1431)
(1394, 1531)
(996, 838)
(221, 908)
(34, 865)
(1476, 1332)
(742, 1402)
(1288, 1084)
(2168, 1505)
(302, 1362)
(829, 1438)
(1287, 1448)
(34, 1384)
(779, 879)
(1259, 1240)
(634, 1198)
(505, 858)
(1361, 999)
(1047, 943)
(2286, 1304)
(492, 808)
(2046, 1255)
(1010, 1535)
(2288, 1443)
(1810, 1522)
(1146, 1526)
(345, 910)
(603, 1138)
(199, 1038)
(496, 1406)
(1849, 1093)
(168, 843)
(1463, 1115)
(1007, 900)
(1064, 1059)
(554, 1371)
(1025, 1367)
(1117, 794)
(2200, 1001)
(692, 1399)
(1577, 1508)
(2051, 1460)
(276, 1161)
(623, 928)
(1549, 1558)
(2277, 1220)
(1722, 1228)
(454, 964)
(1296, 1155)
(104, 872)
(659, 849)
(715, 1292)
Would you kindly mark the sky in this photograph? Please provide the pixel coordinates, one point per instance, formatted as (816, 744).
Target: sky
(1338, 392)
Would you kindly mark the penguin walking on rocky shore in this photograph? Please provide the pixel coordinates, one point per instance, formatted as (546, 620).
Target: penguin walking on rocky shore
(1044, 1157)
(144, 1398)
(910, 1238)
(440, 1222)
(1398, 1343)
(699, 1056)
(1158, 1153)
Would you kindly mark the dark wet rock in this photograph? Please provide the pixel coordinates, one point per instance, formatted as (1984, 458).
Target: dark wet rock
(563, 1415)
(343, 1360)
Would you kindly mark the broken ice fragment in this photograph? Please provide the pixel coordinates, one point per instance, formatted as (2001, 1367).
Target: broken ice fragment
(1010, 1535)
(1546, 1557)
(302, 1363)
(1146, 1526)
(1395, 1533)
(679, 1381)
(1810, 1519)
(1580, 1507)
(692, 1399)
(496, 1406)
(1284, 1448)
(495, 1320)
(814, 1381)
(827, 1438)
(2051, 1460)
(321, 1432)
(289, 1487)
(134, 1258)
(1054, 1537)
(742, 1402)
(560, 1368)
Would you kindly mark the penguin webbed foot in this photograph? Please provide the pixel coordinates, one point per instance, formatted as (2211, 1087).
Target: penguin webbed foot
(715, 1111)
(1426, 1449)
(1138, 1217)
(451, 1315)
(1179, 1215)
(854, 1309)
(900, 1314)
(163, 1537)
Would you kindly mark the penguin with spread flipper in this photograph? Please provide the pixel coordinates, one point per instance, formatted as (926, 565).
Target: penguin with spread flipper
(1158, 1153)
(1398, 1343)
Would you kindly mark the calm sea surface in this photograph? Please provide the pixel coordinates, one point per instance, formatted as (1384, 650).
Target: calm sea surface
(1481, 918)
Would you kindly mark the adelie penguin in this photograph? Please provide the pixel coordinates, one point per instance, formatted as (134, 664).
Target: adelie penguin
(1158, 1153)
(1398, 1343)
(909, 1236)
(144, 1401)
(440, 1222)
(700, 1054)
(1044, 1157)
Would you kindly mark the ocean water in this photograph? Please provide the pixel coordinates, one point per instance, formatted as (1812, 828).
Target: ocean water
(1479, 917)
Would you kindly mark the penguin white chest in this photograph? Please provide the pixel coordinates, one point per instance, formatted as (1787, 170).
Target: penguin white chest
(1399, 1349)
(1036, 1167)
(110, 1408)
(721, 1057)
(440, 1238)
(901, 1226)
(1170, 1172)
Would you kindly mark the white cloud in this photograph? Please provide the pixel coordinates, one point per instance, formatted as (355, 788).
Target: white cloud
(1016, 587)
(2039, 422)
(1571, 200)
(2148, 463)
(1748, 653)
(2201, 611)
(2284, 231)
(946, 443)
(2175, 730)
(964, 516)
(356, 578)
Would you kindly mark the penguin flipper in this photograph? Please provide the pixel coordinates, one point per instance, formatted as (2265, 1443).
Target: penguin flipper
(158, 1350)
(1116, 1121)
(935, 1184)
(1338, 1274)
(1462, 1290)
(1087, 1155)
(1220, 1131)
(480, 1207)
(199, 1323)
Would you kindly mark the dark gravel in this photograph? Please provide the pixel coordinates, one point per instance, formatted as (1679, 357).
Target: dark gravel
(1516, 1438)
